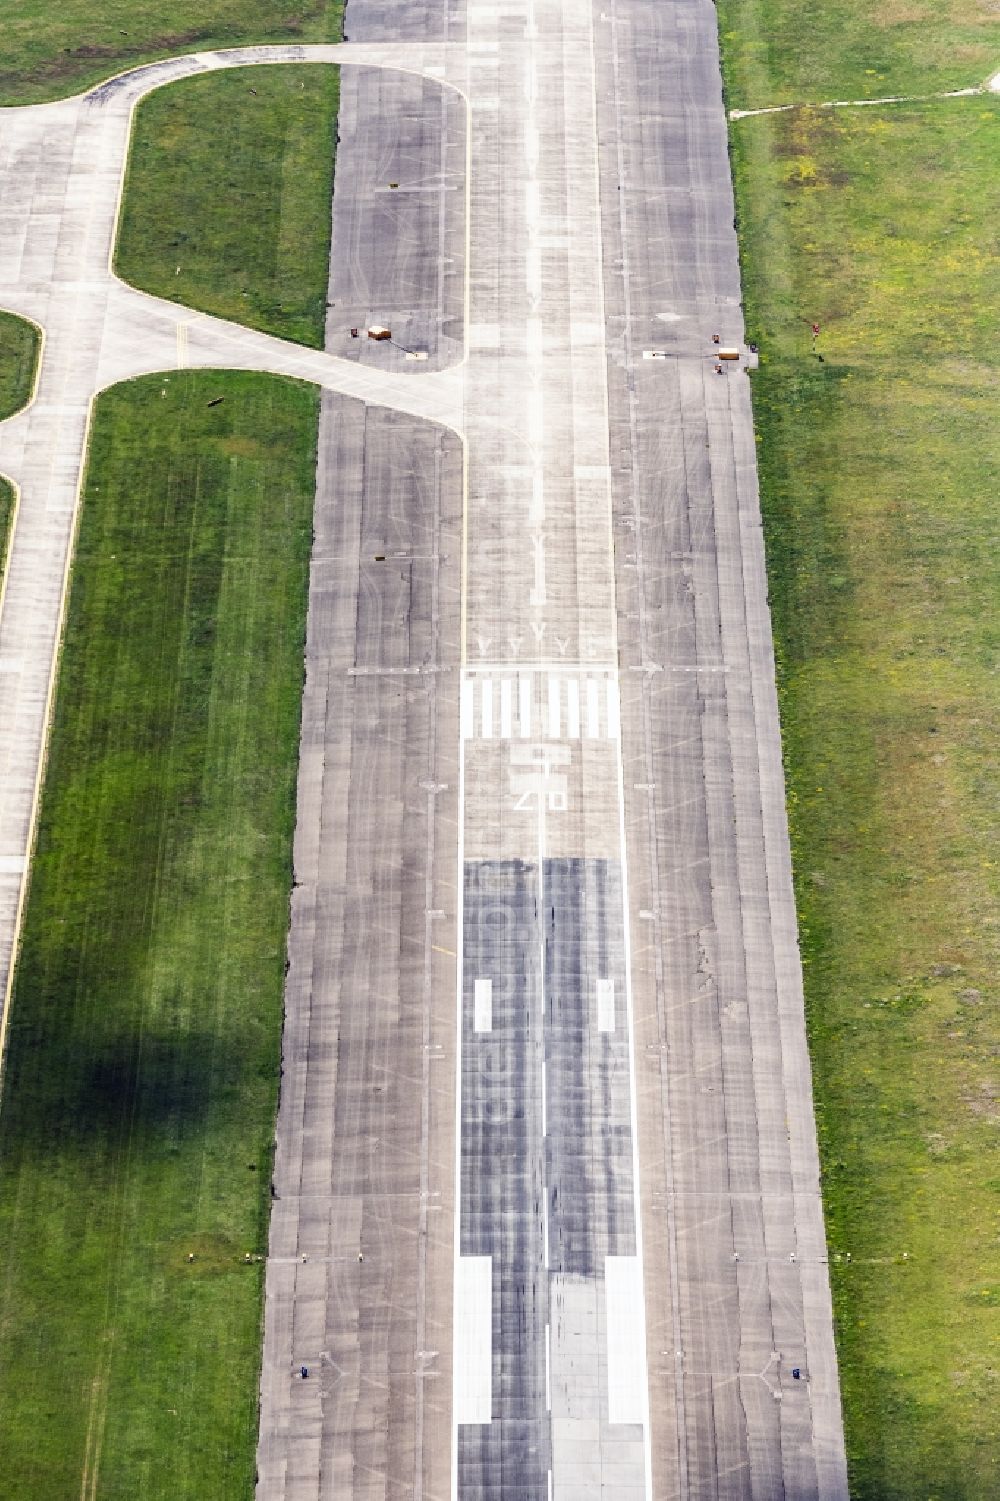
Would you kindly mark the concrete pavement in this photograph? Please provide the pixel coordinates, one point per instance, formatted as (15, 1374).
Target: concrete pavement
(359, 1267)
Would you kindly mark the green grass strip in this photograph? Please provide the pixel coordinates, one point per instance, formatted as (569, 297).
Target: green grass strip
(6, 519)
(142, 1072)
(880, 468)
(20, 343)
(51, 51)
(228, 196)
(19, 346)
(801, 52)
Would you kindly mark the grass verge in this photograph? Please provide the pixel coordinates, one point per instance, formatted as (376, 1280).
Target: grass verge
(19, 346)
(52, 51)
(142, 1068)
(798, 52)
(880, 466)
(228, 193)
(6, 519)
(20, 343)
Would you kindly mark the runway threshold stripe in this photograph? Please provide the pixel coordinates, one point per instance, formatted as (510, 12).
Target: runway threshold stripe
(614, 711)
(474, 1339)
(593, 710)
(505, 709)
(605, 1005)
(626, 1336)
(484, 1005)
(524, 706)
(573, 709)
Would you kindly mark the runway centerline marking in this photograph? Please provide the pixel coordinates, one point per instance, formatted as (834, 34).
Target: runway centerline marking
(539, 578)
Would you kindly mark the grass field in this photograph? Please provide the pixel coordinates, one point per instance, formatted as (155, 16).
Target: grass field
(19, 345)
(142, 1071)
(227, 199)
(880, 468)
(798, 51)
(51, 51)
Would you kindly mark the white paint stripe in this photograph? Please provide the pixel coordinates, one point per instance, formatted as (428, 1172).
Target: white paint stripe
(456, 1375)
(626, 1335)
(545, 1230)
(505, 713)
(593, 711)
(534, 418)
(573, 709)
(473, 1339)
(487, 691)
(536, 511)
(553, 708)
(562, 665)
(548, 1368)
(605, 1005)
(524, 707)
(484, 1005)
(614, 711)
(467, 707)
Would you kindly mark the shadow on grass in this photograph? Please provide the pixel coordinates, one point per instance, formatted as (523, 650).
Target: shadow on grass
(154, 1088)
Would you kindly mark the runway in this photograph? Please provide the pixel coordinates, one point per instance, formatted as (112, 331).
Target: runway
(635, 1300)
(547, 1218)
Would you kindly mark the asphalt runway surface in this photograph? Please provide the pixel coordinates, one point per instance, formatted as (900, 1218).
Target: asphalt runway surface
(547, 1218)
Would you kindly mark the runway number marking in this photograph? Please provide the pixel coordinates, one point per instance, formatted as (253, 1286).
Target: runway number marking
(534, 781)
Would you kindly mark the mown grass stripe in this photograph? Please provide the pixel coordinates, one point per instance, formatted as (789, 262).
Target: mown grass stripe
(144, 1040)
